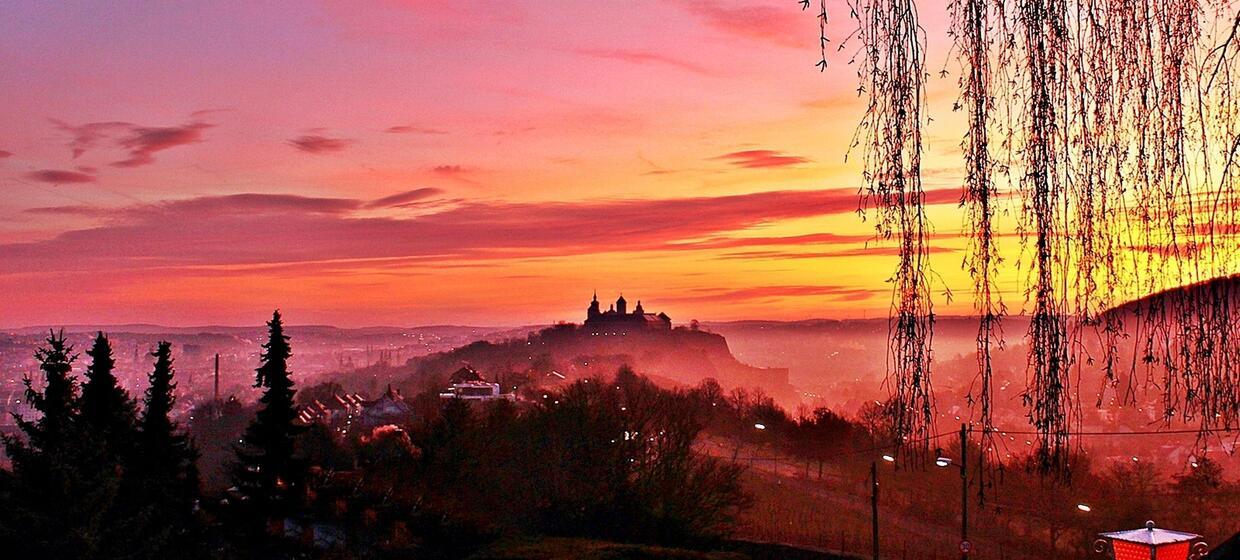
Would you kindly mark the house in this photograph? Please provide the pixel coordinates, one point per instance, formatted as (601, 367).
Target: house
(389, 408)
(466, 383)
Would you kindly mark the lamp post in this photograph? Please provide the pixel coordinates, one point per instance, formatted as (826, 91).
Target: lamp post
(874, 503)
(1150, 543)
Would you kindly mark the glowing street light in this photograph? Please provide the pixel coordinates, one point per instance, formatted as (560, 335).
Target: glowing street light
(942, 462)
(1150, 543)
(760, 426)
(889, 458)
(1084, 507)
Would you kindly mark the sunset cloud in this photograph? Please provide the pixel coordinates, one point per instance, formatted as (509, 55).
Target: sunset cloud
(448, 170)
(143, 142)
(778, 24)
(140, 143)
(412, 129)
(645, 57)
(257, 228)
(68, 210)
(797, 240)
(59, 176)
(403, 198)
(316, 144)
(767, 293)
(758, 159)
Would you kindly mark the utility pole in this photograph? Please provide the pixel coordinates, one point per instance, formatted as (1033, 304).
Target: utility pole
(965, 546)
(217, 377)
(874, 504)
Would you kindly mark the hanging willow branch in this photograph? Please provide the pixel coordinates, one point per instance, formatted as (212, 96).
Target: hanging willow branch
(970, 28)
(892, 74)
(1126, 141)
(1044, 45)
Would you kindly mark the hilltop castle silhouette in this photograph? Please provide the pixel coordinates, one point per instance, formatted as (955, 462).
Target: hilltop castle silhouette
(618, 319)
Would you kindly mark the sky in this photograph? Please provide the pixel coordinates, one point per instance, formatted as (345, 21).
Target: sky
(431, 162)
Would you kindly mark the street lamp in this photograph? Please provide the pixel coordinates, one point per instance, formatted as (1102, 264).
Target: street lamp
(1150, 543)
(888, 458)
(1084, 507)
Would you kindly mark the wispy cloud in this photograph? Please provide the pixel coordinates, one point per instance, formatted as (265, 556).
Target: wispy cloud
(258, 228)
(758, 159)
(450, 170)
(317, 144)
(140, 143)
(404, 198)
(59, 176)
(413, 129)
(766, 293)
(776, 23)
(646, 58)
(143, 142)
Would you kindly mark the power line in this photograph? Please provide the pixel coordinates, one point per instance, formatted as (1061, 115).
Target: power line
(1134, 433)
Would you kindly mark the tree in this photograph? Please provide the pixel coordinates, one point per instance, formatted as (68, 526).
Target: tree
(60, 497)
(1203, 479)
(109, 419)
(166, 464)
(107, 410)
(269, 476)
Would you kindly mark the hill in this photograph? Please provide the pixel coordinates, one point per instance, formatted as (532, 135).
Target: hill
(1222, 288)
(677, 356)
(565, 549)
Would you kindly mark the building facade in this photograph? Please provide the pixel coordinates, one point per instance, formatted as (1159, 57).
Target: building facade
(618, 320)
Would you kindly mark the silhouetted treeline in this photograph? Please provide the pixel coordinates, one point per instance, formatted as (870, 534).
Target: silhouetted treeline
(90, 477)
(97, 474)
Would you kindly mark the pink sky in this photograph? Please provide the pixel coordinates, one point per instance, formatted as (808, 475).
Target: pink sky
(437, 162)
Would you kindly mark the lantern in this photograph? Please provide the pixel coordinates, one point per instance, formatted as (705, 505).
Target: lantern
(1150, 543)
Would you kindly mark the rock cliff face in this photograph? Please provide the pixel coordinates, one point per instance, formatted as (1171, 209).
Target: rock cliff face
(676, 356)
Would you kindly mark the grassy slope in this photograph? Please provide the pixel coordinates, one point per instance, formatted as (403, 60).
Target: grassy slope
(565, 549)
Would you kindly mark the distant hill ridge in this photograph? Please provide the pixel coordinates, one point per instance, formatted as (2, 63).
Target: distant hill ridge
(1222, 286)
(680, 356)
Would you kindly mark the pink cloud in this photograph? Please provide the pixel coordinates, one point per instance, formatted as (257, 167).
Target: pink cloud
(315, 144)
(413, 129)
(400, 199)
(780, 24)
(808, 239)
(71, 210)
(254, 228)
(758, 159)
(59, 176)
(143, 142)
(763, 293)
(448, 169)
(87, 136)
(645, 57)
(139, 142)
(853, 252)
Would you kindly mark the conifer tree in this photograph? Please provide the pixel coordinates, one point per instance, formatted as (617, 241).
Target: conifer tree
(109, 422)
(107, 410)
(268, 475)
(165, 464)
(59, 497)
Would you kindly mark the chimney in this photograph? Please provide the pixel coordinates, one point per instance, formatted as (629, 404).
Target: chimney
(217, 378)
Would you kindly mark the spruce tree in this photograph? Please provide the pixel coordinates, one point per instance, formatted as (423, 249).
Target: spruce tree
(165, 464)
(60, 498)
(107, 410)
(109, 421)
(269, 477)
